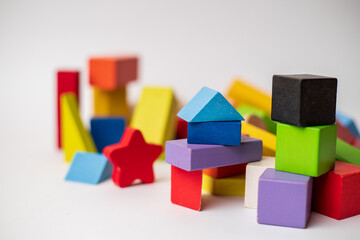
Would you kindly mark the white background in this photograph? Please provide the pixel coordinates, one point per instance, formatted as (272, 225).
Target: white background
(183, 44)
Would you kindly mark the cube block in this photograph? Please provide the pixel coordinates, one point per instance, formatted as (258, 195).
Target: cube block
(337, 193)
(304, 100)
(229, 186)
(309, 151)
(284, 199)
(106, 131)
(218, 133)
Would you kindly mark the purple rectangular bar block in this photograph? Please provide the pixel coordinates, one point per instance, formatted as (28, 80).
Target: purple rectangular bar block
(284, 199)
(191, 157)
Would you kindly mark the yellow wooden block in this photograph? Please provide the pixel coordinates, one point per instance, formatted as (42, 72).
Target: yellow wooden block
(242, 92)
(111, 103)
(229, 186)
(74, 136)
(269, 139)
(155, 115)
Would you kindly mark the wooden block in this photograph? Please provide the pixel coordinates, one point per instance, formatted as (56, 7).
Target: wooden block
(229, 186)
(253, 172)
(155, 115)
(242, 92)
(74, 136)
(304, 100)
(268, 139)
(132, 158)
(91, 168)
(111, 103)
(220, 133)
(209, 105)
(181, 128)
(255, 121)
(227, 171)
(356, 143)
(67, 82)
(347, 122)
(192, 157)
(347, 153)
(245, 109)
(344, 134)
(110, 73)
(308, 151)
(106, 131)
(337, 193)
(186, 188)
(284, 199)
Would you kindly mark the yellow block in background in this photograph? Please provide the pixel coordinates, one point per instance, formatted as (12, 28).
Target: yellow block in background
(229, 186)
(111, 103)
(74, 136)
(269, 139)
(155, 115)
(242, 92)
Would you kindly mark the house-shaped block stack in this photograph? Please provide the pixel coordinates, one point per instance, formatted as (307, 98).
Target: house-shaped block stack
(214, 142)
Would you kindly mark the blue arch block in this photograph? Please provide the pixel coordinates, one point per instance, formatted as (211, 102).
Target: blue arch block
(91, 168)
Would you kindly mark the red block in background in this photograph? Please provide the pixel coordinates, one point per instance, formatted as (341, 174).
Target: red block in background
(344, 134)
(336, 194)
(356, 143)
(67, 81)
(227, 171)
(186, 188)
(181, 128)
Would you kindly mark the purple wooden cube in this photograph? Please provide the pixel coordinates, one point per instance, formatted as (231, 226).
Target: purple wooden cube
(284, 199)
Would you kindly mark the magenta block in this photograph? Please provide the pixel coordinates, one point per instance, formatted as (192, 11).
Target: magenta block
(191, 157)
(284, 199)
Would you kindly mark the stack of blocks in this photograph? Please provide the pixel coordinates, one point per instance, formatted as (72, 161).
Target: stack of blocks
(214, 144)
(304, 106)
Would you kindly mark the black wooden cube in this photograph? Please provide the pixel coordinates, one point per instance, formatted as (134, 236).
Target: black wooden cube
(304, 100)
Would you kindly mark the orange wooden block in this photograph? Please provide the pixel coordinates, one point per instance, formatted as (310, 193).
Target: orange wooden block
(109, 73)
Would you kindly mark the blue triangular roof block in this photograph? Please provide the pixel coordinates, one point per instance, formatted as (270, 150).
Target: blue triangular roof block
(91, 168)
(209, 105)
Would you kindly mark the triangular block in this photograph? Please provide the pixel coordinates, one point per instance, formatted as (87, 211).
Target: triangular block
(74, 136)
(91, 168)
(209, 105)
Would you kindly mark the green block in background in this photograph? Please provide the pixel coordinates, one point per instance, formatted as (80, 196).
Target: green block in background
(245, 109)
(305, 150)
(347, 153)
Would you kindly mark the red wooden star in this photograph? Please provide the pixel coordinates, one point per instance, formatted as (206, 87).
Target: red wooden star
(132, 158)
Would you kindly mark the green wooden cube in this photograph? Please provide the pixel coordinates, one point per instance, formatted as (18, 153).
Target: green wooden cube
(305, 150)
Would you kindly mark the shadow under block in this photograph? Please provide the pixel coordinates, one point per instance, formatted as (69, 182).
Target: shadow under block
(181, 128)
(245, 109)
(111, 103)
(186, 188)
(304, 100)
(74, 136)
(268, 139)
(348, 122)
(106, 131)
(227, 171)
(309, 151)
(253, 172)
(337, 193)
(255, 121)
(229, 186)
(209, 105)
(242, 92)
(110, 73)
(192, 157)
(132, 158)
(284, 199)
(220, 133)
(91, 168)
(67, 82)
(155, 115)
(344, 134)
(347, 153)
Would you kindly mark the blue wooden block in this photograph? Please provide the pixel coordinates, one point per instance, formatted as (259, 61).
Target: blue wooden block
(91, 168)
(219, 133)
(106, 131)
(347, 122)
(209, 105)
